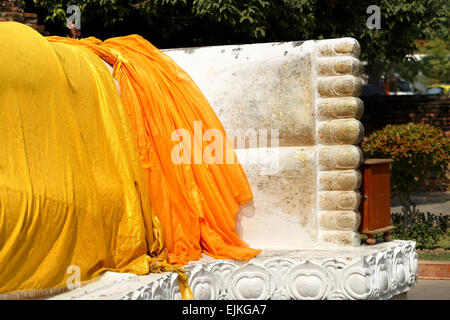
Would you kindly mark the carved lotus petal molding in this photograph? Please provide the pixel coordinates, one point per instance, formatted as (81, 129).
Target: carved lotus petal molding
(251, 282)
(308, 281)
(223, 271)
(380, 274)
(203, 284)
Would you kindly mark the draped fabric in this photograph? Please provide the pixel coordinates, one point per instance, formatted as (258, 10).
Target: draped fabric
(74, 199)
(196, 201)
(88, 181)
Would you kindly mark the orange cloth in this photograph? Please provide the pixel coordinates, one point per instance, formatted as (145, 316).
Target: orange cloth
(196, 203)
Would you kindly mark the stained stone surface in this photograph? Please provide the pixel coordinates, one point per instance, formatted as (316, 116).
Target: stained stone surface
(304, 93)
(364, 273)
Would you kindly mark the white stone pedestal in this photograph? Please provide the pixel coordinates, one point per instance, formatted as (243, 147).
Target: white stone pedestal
(380, 271)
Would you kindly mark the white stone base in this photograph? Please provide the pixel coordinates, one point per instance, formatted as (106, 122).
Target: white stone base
(381, 271)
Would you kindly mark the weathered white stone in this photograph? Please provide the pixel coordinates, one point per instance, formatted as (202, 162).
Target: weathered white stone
(340, 180)
(339, 108)
(339, 47)
(337, 86)
(284, 201)
(345, 131)
(338, 66)
(339, 158)
(258, 86)
(339, 200)
(340, 220)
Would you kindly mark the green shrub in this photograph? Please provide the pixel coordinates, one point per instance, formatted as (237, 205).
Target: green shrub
(425, 236)
(441, 221)
(426, 229)
(417, 150)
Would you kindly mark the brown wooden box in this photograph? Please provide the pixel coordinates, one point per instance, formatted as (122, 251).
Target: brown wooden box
(375, 207)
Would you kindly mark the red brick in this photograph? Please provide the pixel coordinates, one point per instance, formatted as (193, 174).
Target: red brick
(30, 15)
(10, 14)
(11, 9)
(434, 270)
(31, 21)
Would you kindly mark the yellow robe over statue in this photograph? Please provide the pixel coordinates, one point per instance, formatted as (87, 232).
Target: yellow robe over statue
(73, 194)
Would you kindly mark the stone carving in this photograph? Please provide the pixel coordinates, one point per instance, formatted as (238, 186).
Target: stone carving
(308, 281)
(378, 272)
(339, 109)
(203, 284)
(251, 281)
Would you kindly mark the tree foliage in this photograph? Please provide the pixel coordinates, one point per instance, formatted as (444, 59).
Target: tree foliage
(179, 23)
(435, 67)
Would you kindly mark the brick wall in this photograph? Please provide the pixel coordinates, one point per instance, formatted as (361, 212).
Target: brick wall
(11, 10)
(429, 109)
(382, 110)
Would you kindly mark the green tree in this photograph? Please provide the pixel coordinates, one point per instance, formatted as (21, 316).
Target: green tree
(436, 65)
(179, 23)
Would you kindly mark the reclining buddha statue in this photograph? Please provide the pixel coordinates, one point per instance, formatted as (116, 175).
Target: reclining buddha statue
(87, 177)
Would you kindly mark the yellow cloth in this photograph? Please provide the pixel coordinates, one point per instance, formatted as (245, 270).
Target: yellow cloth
(72, 188)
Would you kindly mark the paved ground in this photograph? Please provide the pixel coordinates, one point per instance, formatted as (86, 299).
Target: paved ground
(434, 202)
(429, 290)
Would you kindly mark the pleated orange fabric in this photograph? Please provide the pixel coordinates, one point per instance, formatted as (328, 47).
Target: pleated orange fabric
(195, 202)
